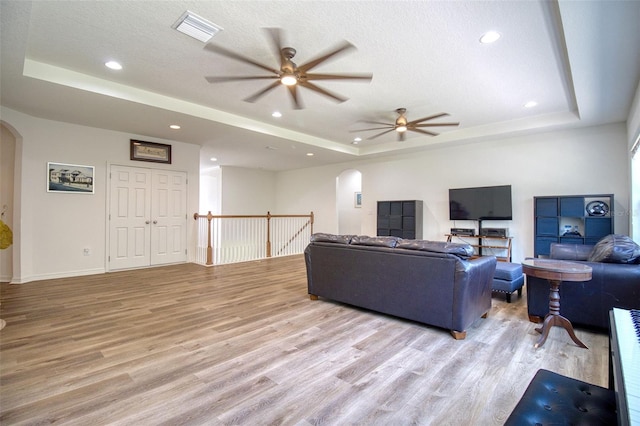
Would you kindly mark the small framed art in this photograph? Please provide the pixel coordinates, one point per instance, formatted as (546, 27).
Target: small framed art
(150, 151)
(357, 199)
(70, 178)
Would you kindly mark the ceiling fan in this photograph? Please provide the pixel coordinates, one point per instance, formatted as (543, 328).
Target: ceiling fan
(402, 125)
(288, 74)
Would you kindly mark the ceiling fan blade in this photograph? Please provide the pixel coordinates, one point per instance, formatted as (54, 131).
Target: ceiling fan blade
(262, 92)
(239, 78)
(275, 37)
(338, 76)
(380, 134)
(423, 131)
(373, 128)
(293, 90)
(435, 124)
(322, 91)
(377, 122)
(431, 117)
(233, 55)
(317, 61)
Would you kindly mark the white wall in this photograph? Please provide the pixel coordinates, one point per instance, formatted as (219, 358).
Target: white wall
(349, 216)
(210, 189)
(54, 228)
(248, 191)
(583, 161)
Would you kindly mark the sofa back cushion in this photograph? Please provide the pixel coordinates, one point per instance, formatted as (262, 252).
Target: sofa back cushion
(463, 251)
(561, 251)
(615, 248)
(363, 240)
(331, 238)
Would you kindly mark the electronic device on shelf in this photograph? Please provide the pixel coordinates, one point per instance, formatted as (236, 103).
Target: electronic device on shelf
(469, 232)
(494, 232)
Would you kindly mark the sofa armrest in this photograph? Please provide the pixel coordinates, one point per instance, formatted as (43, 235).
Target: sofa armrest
(472, 293)
(561, 251)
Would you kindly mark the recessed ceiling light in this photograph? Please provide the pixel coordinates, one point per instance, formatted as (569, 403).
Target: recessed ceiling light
(489, 37)
(276, 114)
(113, 65)
(196, 26)
(530, 104)
(309, 154)
(174, 127)
(213, 159)
(356, 140)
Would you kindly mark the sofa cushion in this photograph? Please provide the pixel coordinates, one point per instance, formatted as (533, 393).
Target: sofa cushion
(458, 249)
(331, 238)
(615, 248)
(363, 240)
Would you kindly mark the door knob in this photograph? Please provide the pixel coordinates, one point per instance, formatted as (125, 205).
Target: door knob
(155, 222)
(147, 222)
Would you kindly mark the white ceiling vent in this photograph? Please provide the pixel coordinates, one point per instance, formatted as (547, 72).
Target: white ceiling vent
(196, 27)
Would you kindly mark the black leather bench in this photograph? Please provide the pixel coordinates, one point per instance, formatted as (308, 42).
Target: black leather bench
(554, 399)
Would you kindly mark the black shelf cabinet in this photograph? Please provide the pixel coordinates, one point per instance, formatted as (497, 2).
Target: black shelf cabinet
(400, 219)
(571, 219)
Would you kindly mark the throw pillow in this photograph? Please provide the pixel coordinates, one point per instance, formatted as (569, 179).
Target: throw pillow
(615, 248)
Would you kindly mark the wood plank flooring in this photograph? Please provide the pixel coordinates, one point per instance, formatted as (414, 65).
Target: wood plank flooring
(243, 344)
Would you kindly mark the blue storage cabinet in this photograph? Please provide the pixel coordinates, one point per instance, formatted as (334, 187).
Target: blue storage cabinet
(566, 219)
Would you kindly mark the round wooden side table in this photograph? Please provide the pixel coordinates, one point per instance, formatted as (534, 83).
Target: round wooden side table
(556, 271)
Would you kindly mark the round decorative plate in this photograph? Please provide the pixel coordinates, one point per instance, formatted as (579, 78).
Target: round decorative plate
(597, 208)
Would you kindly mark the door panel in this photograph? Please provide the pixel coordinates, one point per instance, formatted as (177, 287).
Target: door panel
(130, 211)
(169, 213)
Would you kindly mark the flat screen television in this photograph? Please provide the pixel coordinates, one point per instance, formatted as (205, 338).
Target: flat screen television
(480, 203)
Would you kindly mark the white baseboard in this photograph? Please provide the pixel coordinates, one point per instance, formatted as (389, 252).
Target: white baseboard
(66, 274)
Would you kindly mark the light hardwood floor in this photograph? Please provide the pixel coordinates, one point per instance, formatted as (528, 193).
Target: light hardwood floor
(243, 344)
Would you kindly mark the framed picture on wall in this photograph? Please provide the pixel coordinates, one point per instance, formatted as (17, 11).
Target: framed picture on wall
(358, 199)
(150, 151)
(70, 178)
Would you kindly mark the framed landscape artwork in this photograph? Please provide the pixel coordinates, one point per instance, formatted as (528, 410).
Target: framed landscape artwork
(150, 151)
(70, 178)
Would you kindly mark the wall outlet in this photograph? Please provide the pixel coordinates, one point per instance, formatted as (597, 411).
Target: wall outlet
(87, 251)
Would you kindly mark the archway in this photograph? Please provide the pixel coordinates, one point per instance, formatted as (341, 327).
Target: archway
(8, 210)
(348, 184)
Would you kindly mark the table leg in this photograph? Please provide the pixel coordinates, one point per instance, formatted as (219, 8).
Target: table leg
(554, 318)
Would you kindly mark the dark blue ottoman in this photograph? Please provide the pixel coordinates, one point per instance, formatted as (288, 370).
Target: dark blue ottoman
(554, 399)
(508, 278)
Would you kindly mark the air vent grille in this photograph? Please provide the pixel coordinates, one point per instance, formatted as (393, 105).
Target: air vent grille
(196, 27)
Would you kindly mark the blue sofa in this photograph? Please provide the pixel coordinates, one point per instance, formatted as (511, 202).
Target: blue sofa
(434, 283)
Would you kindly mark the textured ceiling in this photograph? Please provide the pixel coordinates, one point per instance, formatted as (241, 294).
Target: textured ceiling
(580, 60)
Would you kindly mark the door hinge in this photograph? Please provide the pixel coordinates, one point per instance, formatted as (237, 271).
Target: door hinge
(109, 257)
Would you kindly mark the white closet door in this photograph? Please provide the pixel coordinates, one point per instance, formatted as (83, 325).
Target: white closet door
(130, 218)
(147, 217)
(168, 217)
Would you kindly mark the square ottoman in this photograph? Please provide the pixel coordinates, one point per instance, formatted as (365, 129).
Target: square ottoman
(554, 399)
(508, 278)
